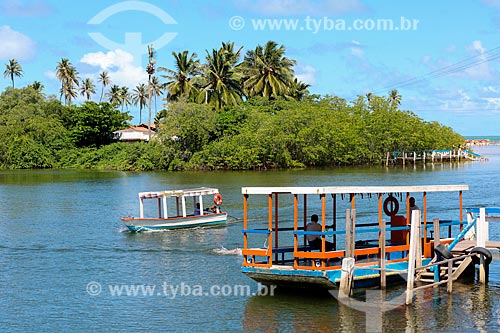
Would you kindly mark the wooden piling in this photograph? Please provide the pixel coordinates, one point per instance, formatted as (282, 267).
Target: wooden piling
(413, 253)
(437, 241)
(382, 254)
(346, 277)
(482, 237)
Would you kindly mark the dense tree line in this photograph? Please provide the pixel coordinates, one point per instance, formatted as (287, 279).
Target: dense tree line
(222, 113)
(259, 133)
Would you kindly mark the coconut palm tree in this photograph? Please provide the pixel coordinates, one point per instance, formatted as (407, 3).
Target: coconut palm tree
(156, 89)
(298, 89)
(394, 98)
(13, 69)
(140, 96)
(180, 81)
(232, 56)
(150, 69)
(113, 95)
(38, 86)
(104, 79)
(220, 85)
(68, 75)
(87, 88)
(267, 72)
(124, 97)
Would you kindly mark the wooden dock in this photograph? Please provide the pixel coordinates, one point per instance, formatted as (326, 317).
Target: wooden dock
(431, 156)
(467, 245)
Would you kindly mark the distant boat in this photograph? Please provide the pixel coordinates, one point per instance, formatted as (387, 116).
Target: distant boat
(173, 210)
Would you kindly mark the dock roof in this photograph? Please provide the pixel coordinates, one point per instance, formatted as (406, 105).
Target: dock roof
(355, 189)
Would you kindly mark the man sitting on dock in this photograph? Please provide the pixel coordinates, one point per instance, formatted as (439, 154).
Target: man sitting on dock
(315, 240)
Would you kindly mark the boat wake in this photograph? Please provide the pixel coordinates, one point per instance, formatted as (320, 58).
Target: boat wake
(223, 251)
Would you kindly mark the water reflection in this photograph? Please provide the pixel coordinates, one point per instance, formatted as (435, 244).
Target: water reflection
(468, 308)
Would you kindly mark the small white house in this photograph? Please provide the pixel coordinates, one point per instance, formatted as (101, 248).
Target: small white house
(135, 133)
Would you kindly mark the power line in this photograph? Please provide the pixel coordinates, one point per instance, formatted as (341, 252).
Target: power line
(459, 66)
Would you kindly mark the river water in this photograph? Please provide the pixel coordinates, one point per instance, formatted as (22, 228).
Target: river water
(66, 260)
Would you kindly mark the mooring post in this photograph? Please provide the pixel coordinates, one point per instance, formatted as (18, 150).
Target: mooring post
(346, 277)
(414, 252)
(348, 235)
(482, 237)
(449, 284)
(381, 242)
(437, 241)
(387, 159)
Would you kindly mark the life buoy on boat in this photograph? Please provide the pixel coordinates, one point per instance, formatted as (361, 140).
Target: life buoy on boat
(218, 199)
(391, 206)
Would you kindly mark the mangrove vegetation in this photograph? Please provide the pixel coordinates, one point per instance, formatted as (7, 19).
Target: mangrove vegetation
(222, 113)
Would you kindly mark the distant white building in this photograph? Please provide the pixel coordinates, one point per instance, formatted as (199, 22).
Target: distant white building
(135, 133)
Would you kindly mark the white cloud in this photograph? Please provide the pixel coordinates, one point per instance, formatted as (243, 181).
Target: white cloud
(482, 70)
(287, 7)
(50, 75)
(491, 89)
(15, 45)
(306, 74)
(119, 65)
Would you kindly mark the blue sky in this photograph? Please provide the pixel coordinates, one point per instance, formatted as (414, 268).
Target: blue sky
(443, 56)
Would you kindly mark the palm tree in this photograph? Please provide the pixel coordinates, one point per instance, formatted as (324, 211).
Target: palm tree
(150, 69)
(230, 54)
(156, 89)
(38, 86)
(113, 95)
(104, 79)
(87, 88)
(298, 89)
(13, 69)
(68, 75)
(124, 97)
(221, 82)
(181, 81)
(394, 98)
(140, 96)
(267, 71)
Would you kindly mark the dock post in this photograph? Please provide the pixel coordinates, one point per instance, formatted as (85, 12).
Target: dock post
(348, 239)
(414, 252)
(387, 159)
(449, 283)
(482, 228)
(346, 277)
(482, 237)
(437, 241)
(381, 242)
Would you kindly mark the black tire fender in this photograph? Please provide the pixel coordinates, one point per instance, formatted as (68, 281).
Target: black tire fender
(485, 252)
(443, 251)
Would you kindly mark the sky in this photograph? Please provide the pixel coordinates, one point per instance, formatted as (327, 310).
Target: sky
(442, 56)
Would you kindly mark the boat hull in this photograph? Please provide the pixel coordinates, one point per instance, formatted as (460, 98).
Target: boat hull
(157, 224)
(288, 277)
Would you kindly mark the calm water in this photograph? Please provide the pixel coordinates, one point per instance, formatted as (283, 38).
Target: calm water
(61, 239)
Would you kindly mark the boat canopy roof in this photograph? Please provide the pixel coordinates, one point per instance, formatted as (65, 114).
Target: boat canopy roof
(354, 189)
(193, 192)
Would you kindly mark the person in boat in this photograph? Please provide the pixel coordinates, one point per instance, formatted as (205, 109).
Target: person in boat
(315, 240)
(212, 209)
(413, 206)
(197, 209)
